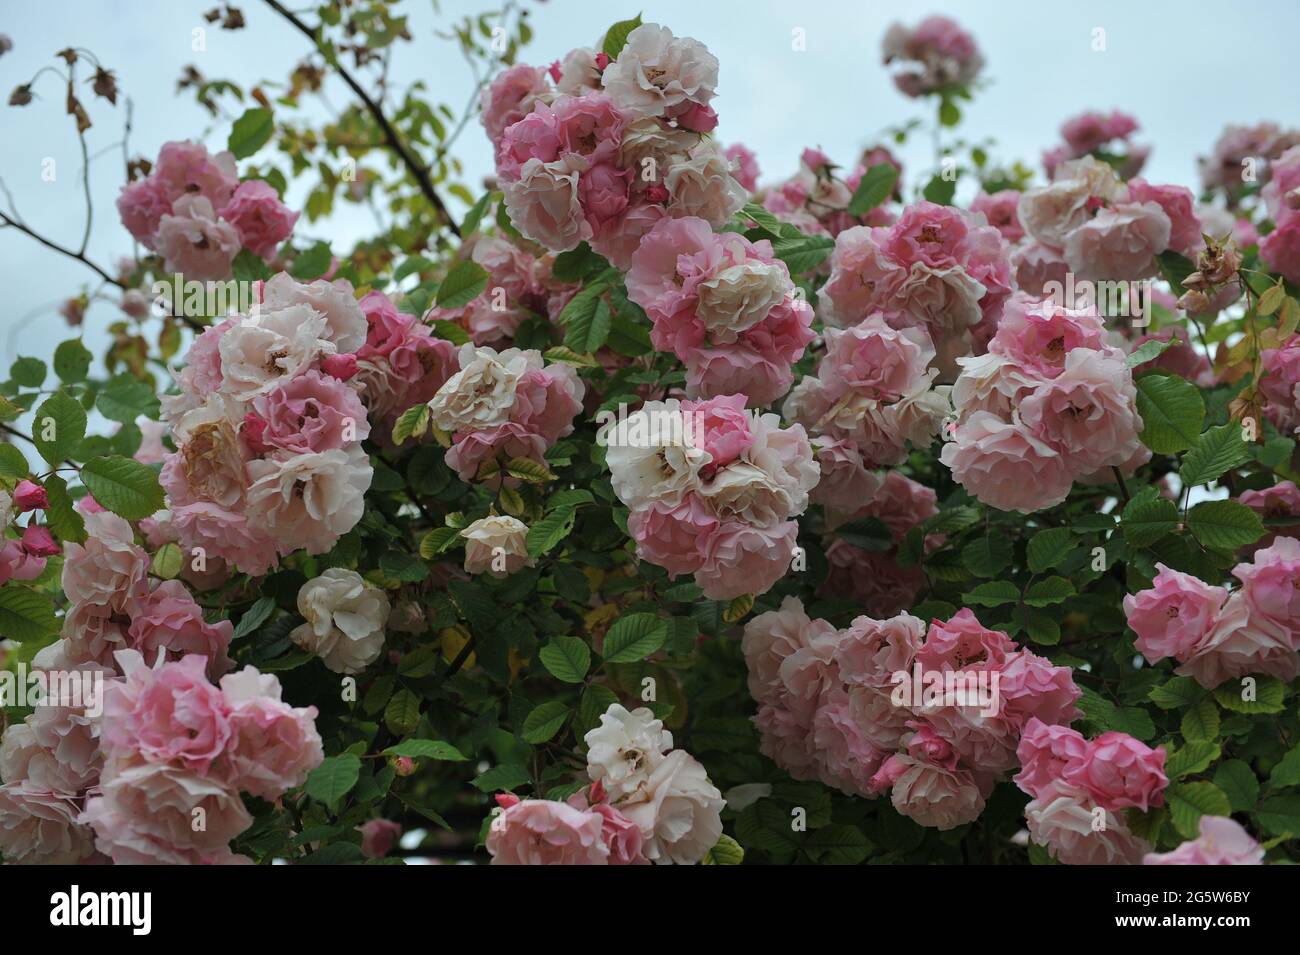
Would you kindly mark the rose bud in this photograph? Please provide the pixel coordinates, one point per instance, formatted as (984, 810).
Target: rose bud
(30, 496)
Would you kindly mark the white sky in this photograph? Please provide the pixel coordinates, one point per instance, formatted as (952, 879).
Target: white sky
(1184, 69)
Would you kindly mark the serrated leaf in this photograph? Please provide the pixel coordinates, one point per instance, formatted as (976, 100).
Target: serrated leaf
(1148, 351)
(28, 372)
(1189, 801)
(1048, 548)
(427, 749)
(250, 132)
(566, 658)
(995, 593)
(62, 516)
(58, 427)
(254, 617)
(123, 485)
(1287, 770)
(616, 36)
(1220, 450)
(1053, 590)
(544, 721)
(438, 540)
(549, 531)
(333, 779)
(876, 185)
(526, 469)
(1280, 815)
(25, 614)
(1172, 411)
(1201, 722)
(502, 778)
(411, 423)
(167, 561)
(987, 555)
(727, 852)
(402, 714)
(1179, 692)
(72, 361)
(596, 699)
(465, 282)
(1238, 782)
(1148, 517)
(839, 844)
(588, 330)
(634, 637)
(1192, 758)
(1268, 695)
(1225, 525)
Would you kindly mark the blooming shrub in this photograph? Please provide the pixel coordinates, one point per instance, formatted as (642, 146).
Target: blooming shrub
(646, 512)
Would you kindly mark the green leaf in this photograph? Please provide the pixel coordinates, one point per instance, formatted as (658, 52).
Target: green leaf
(1280, 815)
(1267, 695)
(64, 519)
(1238, 782)
(464, 283)
(995, 593)
(123, 485)
(411, 266)
(1053, 590)
(1219, 450)
(596, 699)
(589, 329)
(1189, 801)
(526, 469)
(838, 844)
(1106, 716)
(438, 540)
(333, 779)
(1172, 411)
(566, 658)
(1201, 722)
(803, 253)
(1179, 692)
(402, 714)
(727, 852)
(58, 427)
(987, 555)
(475, 215)
(28, 372)
(427, 749)
(1225, 525)
(250, 132)
(401, 566)
(544, 721)
(1175, 267)
(1042, 628)
(502, 778)
(411, 423)
(125, 398)
(167, 562)
(549, 531)
(616, 36)
(1048, 548)
(1147, 351)
(1148, 517)
(876, 185)
(868, 533)
(940, 190)
(254, 617)
(312, 263)
(634, 637)
(1194, 757)
(1287, 770)
(72, 361)
(13, 463)
(25, 614)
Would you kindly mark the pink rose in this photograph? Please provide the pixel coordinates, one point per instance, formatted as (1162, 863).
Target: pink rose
(1038, 335)
(40, 826)
(1240, 644)
(677, 538)
(510, 97)
(311, 412)
(543, 832)
(170, 714)
(188, 169)
(720, 427)
(108, 569)
(1178, 204)
(141, 206)
(875, 361)
(1222, 842)
(845, 482)
(1119, 771)
(621, 836)
(1279, 384)
(1000, 211)
(875, 580)
(1005, 465)
(871, 651)
(1270, 587)
(1173, 615)
(470, 449)
(29, 496)
(378, 836)
(1044, 752)
(1061, 819)
(194, 242)
(260, 218)
(1119, 243)
(744, 165)
(770, 638)
(846, 758)
(167, 619)
(746, 560)
(1280, 249)
(936, 797)
(272, 746)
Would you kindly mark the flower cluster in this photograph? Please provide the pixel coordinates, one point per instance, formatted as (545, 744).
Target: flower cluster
(937, 56)
(1215, 635)
(500, 406)
(401, 364)
(174, 745)
(1051, 403)
(722, 304)
(1090, 224)
(1242, 147)
(268, 431)
(933, 716)
(937, 267)
(713, 490)
(615, 146)
(194, 212)
(1105, 135)
(24, 558)
(647, 803)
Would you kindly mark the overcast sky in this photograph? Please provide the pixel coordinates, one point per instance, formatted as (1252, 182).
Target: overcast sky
(1184, 69)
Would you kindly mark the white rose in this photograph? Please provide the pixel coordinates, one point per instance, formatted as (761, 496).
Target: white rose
(344, 321)
(482, 394)
(308, 500)
(658, 74)
(650, 139)
(739, 297)
(264, 348)
(578, 72)
(770, 484)
(701, 184)
(498, 545)
(543, 204)
(680, 816)
(650, 457)
(625, 749)
(345, 620)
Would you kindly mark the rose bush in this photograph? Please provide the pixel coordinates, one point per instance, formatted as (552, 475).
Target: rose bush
(643, 514)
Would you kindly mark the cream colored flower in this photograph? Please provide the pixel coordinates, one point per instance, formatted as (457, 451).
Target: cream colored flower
(739, 297)
(625, 749)
(497, 545)
(345, 618)
(482, 394)
(680, 816)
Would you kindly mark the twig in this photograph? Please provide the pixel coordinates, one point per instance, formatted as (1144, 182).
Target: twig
(63, 250)
(391, 135)
(1123, 487)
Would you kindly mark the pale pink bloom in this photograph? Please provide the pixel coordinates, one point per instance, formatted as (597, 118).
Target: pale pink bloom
(874, 360)
(770, 638)
(936, 54)
(1270, 587)
(674, 537)
(1279, 385)
(312, 412)
(344, 620)
(1120, 242)
(1004, 465)
(308, 500)
(543, 204)
(1118, 771)
(1045, 751)
(746, 560)
(1061, 820)
(1240, 644)
(744, 165)
(933, 796)
(194, 242)
(1222, 841)
(496, 545)
(259, 352)
(272, 746)
(846, 758)
(108, 569)
(659, 74)
(624, 749)
(621, 835)
(845, 482)
(1039, 334)
(1280, 249)
(870, 651)
(168, 620)
(1000, 209)
(1280, 500)
(334, 301)
(40, 826)
(261, 219)
(786, 740)
(679, 811)
(1173, 615)
(510, 97)
(547, 400)
(207, 531)
(544, 832)
(1178, 204)
(378, 836)
(141, 206)
(188, 169)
